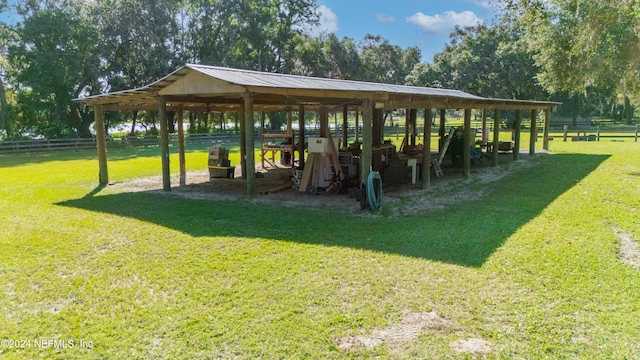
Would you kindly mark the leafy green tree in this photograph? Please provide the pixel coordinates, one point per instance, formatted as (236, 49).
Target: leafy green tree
(384, 62)
(249, 34)
(56, 60)
(342, 57)
(583, 45)
(487, 60)
(310, 58)
(141, 41)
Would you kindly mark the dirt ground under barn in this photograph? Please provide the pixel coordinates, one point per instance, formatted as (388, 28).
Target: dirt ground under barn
(273, 186)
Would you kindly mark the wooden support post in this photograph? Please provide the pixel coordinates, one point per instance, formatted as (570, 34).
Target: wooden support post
(636, 139)
(324, 120)
(496, 137)
(243, 142)
(566, 130)
(533, 132)
(367, 139)
(516, 128)
(407, 125)
(547, 122)
(381, 126)
(425, 172)
(249, 144)
(485, 136)
(181, 157)
(466, 148)
(413, 115)
(376, 130)
(345, 126)
(597, 133)
(101, 143)
(301, 136)
(263, 117)
(357, 135)
(164, 142)
(442, 130)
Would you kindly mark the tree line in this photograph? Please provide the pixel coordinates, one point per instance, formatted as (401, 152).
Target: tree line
(58, 50)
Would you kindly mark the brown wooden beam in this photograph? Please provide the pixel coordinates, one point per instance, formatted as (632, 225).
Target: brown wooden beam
(516, 128)
(243, 141)
(101, 143)
(547, 121)
(413, 118)
(485, 136)
(425, 171)
(301, 136)
(249, 145)
(164, 143)
(466, 148)
(183, 167)
(377, 127)
(533, 133)
(367, 139)
(345, 126)
(442, 130)
(324, 120)
(496, 137)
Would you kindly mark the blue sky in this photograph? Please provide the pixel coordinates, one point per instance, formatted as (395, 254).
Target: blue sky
(422, 23)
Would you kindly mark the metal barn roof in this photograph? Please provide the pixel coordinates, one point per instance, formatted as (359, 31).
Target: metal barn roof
(202, 85)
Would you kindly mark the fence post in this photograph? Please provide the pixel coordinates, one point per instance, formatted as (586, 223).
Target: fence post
(636, 133)
(566, 130)
(598, 132)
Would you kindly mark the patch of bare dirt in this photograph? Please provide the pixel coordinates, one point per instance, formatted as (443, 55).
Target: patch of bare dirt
(472, 345)
(273, 187)
(455, 189)
(629, 251)
(412, 325)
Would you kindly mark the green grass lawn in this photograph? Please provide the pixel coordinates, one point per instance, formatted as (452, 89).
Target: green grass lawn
(531, 266)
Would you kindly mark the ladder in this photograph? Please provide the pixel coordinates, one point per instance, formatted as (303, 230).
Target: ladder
(435, 163)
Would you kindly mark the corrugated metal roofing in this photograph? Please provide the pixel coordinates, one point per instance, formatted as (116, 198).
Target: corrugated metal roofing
(276, 80)
(147, 94)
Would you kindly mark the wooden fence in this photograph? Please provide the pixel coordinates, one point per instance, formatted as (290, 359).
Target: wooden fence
(597, 133)
(49, 145)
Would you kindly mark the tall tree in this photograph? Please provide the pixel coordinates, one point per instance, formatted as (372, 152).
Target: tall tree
(586, 44)
(4, 105)
(140, 41)
(57, 60)
(249, 34)
(343, 57)
(384, 62)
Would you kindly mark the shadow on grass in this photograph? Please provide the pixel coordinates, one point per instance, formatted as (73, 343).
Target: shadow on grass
(466, 233)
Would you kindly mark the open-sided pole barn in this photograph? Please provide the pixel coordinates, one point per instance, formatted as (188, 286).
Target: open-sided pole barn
(202, 87)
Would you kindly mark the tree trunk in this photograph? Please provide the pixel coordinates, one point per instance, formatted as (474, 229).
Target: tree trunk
(134, 118)
(171, 121)
(4, 109)
(576, 106)
(628, 111)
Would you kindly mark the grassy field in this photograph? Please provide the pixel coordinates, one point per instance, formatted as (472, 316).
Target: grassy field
(530, 268)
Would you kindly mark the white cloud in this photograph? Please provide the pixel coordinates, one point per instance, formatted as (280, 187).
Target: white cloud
(443, 23)
(384, 18)
(328, 22)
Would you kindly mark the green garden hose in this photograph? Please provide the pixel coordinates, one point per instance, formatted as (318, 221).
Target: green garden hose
(374, 191)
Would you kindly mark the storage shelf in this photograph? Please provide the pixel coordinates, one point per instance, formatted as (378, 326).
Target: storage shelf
(266, 148)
